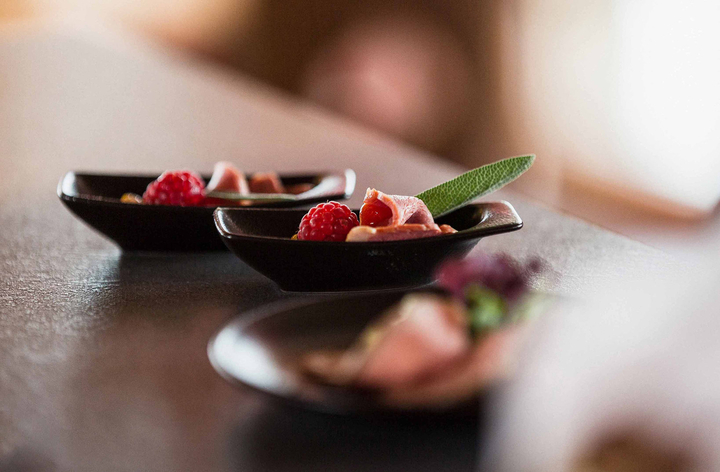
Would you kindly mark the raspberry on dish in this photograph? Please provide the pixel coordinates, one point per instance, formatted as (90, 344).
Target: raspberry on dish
(179, 187)
(330, 221)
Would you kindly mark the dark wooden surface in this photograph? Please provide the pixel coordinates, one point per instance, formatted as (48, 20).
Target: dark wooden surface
(103, 361)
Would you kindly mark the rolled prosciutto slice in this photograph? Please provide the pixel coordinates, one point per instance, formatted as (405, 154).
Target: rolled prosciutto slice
(227, 178)
(420, 337)
(395, 233)
(380, 209)
(266, 182)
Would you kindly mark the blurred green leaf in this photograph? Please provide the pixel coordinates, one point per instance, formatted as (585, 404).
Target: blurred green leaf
(486, 309)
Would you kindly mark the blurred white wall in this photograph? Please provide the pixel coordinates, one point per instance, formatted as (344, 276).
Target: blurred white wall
(618, 96)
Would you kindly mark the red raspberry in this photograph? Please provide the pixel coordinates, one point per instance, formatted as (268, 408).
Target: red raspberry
(179, 187)
(330, 221)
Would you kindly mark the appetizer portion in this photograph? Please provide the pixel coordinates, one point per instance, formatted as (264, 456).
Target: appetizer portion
(385, 217)
(187, 188)
(436, 349)
(423, 334)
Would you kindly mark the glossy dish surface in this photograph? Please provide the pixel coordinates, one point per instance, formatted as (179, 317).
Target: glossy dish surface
(95, 199)
(262, 240)
(261, 349)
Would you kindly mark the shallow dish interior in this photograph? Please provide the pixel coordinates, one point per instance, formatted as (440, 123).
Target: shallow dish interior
(487, 218)
(109, 188)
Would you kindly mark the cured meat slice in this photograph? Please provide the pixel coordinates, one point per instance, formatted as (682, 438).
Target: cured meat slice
(424, 336)
(381, 209)
(417, 339)
(266, 182)
(392, 233)
(227, 178)
(297, 189)
(491, 359)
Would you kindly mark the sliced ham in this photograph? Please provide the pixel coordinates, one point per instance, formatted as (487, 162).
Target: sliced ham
(266, 182)
(492, 359)
(427, 334)
(419, 338)
(297, 189)
(361, 234)
(404, 209)
(420, 355)
(227, 178)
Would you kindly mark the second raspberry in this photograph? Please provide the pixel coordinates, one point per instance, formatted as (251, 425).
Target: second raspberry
(178, 187)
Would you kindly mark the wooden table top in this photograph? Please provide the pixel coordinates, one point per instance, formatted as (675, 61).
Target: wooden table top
(103, 362)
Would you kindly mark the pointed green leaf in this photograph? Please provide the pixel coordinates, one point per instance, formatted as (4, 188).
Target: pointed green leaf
(473, 184)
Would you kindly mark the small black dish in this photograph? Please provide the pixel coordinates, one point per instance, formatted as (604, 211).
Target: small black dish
(95, 199)
(261, 238)
(262, 349)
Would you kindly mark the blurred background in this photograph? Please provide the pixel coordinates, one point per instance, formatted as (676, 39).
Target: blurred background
(618, 99)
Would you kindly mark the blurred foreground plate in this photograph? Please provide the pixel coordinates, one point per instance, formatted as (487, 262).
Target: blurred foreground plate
(262, 350)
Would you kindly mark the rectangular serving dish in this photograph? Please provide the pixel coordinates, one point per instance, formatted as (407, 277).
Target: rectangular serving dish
(95, 199)
(262, 240)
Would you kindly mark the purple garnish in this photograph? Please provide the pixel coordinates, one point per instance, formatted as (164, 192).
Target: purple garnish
(497, 272)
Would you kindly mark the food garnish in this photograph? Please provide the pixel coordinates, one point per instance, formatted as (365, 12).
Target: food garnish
(473, 184)
(180, 187)
(329, 221)
(386, 217)
(493, 287)
(228, 186)
(438, 348)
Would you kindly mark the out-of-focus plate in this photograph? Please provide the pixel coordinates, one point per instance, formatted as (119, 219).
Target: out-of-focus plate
(262, 350)
(95, 199)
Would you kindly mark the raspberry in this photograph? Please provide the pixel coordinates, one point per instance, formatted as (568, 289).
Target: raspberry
(375, 214)
(330, 221)
(180, 187)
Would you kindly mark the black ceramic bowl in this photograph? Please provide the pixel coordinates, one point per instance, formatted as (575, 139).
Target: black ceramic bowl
(95, 199)
(261, 238)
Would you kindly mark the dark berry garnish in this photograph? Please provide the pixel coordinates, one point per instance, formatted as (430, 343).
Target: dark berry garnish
(497, 272)
(492, 287)
(330, 221)
(178, 187)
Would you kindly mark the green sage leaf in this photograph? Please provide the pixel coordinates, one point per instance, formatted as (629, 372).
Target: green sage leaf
(473, 184)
